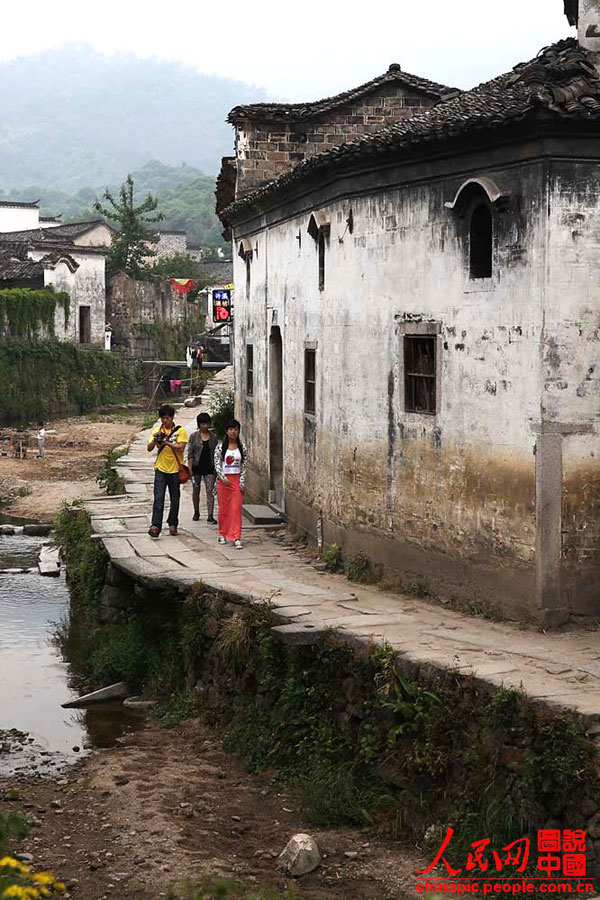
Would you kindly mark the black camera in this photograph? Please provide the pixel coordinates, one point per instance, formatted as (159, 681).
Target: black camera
(160, 437)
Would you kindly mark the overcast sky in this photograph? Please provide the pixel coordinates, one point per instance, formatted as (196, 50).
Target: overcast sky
(299, 50)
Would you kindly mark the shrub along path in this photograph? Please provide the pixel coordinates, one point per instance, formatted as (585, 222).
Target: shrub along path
(557, 669)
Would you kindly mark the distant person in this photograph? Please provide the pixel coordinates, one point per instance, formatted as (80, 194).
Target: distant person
(199, 355)
(170, 440)
(230, 465)
(201, 460)
(41, 439)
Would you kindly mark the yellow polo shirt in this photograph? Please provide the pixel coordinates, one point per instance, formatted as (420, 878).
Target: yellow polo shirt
(166, 460)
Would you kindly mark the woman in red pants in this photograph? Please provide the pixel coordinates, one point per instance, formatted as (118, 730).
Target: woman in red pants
(230, 465)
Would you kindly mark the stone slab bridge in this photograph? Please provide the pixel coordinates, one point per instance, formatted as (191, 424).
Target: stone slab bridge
(560, 670)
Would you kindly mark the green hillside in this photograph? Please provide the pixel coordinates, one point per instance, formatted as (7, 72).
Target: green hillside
(186, 196)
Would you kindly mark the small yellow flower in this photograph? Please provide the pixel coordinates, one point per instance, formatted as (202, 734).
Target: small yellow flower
(15, 892)
(9, 862)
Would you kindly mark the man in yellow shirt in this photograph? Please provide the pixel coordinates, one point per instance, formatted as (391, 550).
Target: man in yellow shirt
(170, 440)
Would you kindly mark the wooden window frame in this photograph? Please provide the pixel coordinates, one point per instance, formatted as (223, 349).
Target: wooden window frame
(310, 384)
(411, 378)
(413, 330)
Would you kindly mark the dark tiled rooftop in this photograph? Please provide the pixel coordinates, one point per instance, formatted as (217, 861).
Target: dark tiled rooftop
(296, 111)
(560, 82)
(11, 269)
(20, 204)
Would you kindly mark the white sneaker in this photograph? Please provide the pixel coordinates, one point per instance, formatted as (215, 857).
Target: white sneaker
(221, 540)
(238, 545)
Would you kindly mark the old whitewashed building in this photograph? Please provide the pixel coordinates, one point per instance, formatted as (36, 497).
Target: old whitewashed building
(71, 258)
(417, 324)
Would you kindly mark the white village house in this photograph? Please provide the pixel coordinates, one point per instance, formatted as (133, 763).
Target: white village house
(37, 251)
(417, 323)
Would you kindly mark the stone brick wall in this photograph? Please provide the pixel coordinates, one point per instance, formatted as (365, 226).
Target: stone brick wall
(130, 303)
(266, 149)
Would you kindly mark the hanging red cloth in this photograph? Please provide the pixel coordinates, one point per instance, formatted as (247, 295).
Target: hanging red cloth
(183, 285)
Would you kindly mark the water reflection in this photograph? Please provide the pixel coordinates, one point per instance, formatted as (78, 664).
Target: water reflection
(34, 678)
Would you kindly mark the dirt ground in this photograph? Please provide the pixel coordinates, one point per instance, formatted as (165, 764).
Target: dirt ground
(167, 806)
(68, 472)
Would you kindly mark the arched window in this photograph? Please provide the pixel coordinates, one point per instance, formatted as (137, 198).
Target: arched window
(480, 242)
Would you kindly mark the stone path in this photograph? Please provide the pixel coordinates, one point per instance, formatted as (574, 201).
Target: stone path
(559, 669)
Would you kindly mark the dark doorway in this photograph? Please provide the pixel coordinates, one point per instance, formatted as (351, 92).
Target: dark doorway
(85, 325)
(276, 417)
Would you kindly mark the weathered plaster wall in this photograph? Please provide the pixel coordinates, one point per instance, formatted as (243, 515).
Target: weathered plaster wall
(461, 482)
(571, 370)
(99, 236)
(86, 287)
(266, 149)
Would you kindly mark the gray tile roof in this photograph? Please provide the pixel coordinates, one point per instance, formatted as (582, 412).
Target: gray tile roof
(299, 111)
(20, 204)
(23, 269)
(560, 83)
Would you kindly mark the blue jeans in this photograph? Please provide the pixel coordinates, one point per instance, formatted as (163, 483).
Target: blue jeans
(162, 481)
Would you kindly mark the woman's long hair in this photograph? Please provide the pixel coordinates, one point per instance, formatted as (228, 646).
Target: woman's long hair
(225, 447)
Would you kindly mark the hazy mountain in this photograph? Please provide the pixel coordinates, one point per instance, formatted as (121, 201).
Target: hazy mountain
(73, 118)
(186, 199)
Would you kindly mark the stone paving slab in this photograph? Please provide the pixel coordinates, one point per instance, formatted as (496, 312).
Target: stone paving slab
(118, 548)
(145, 546)
(558, 669)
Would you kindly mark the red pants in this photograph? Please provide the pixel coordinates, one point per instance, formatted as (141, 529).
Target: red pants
(230, 500)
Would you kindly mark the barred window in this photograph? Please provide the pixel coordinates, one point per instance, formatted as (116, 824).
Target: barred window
(420, 374)
(310, 399)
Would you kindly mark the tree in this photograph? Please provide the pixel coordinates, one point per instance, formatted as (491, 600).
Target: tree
(130, 247)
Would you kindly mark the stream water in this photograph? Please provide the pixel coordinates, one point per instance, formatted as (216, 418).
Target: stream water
(37, 737)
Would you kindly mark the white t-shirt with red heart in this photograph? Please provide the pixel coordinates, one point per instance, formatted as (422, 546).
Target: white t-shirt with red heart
(232, 462)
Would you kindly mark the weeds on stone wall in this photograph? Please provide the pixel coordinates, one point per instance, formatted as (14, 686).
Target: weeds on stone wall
(25, 313)
(333, 558)
(362, 570)
(41, 379)
(168, 340)
(366, 737)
